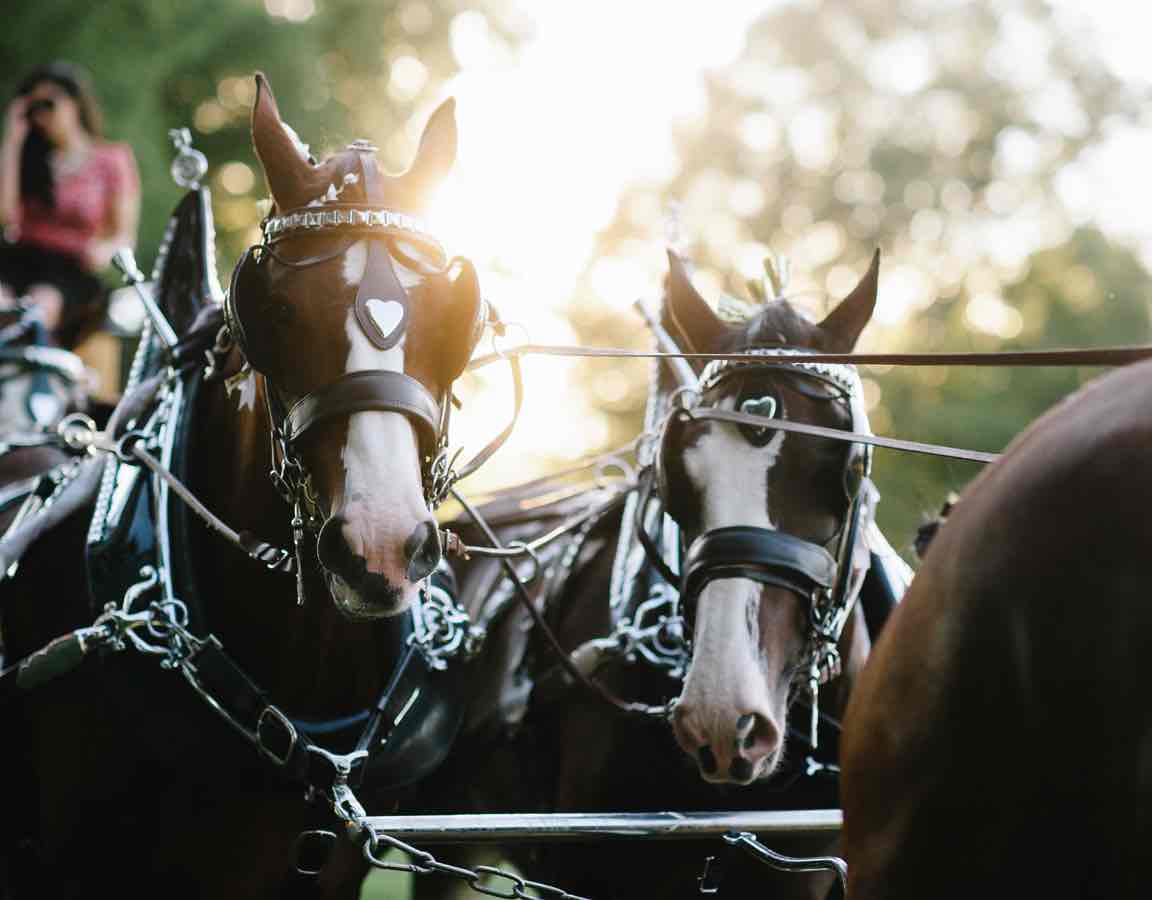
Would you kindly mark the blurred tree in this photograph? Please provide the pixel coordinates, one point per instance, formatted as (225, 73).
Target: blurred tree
(936, 131)
(1088, 291)
(340, 68)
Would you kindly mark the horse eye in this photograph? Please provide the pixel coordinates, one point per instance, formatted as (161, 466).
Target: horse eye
(758, 406)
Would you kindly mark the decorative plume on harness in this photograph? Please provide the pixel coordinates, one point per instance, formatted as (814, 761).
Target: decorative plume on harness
(771, 286)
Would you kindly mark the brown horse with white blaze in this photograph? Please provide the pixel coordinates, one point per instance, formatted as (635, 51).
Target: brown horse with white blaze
(750, 636)
(535, 744)
(133, 783)
(379, 539)
(998, 742)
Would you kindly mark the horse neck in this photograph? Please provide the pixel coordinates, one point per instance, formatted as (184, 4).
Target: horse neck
(310, 658)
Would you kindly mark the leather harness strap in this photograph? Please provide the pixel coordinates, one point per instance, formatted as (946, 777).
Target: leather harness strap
(760, 554)
(838, 434)
(380, 390)
(1102, 356)
(380, 284)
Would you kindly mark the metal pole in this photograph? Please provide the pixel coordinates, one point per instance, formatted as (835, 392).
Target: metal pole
(125, 261)
(680, 367)
(549, 827)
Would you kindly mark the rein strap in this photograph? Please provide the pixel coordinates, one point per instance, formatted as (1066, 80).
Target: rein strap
(1103, 356)
(837, 434)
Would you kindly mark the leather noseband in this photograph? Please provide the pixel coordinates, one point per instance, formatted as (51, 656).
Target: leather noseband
(759, 554)
(376, 390)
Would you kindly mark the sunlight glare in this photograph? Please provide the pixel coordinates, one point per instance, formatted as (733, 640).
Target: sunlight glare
(549, 140)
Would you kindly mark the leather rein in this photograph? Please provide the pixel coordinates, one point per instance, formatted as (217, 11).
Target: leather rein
(1099, 356)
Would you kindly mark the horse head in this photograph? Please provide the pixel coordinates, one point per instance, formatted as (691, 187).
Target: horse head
(357, 324)
(788, 496)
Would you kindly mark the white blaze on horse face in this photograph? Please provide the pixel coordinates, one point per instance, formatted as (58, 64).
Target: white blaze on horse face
(731, 476)
(383, 498)
(729, 676)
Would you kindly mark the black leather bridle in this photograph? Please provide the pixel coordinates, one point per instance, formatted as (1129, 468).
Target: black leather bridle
(768, 556)
(379, 390)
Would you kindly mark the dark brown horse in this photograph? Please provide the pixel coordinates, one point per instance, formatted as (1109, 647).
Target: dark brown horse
(129, 783)
(539, 744)
(998, 743)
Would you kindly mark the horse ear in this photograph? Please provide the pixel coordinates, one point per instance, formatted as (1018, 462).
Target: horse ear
(437, 151)
(283, 157)
(843, 325)
(694, 325)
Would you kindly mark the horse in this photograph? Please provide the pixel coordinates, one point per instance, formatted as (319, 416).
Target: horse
(534, 740)
(329, 365)
(997, 742)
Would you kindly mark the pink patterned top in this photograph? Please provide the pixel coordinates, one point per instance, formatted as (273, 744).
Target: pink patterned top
(84, 202)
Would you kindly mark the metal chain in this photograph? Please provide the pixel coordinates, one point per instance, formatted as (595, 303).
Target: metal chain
(483, 879)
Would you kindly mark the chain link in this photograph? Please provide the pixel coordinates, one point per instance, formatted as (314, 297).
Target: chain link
(483, 879)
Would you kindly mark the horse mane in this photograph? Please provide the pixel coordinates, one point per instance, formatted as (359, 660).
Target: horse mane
(778, 323)
(927, 532)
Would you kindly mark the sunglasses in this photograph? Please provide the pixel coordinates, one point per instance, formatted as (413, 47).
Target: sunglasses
(44, 105)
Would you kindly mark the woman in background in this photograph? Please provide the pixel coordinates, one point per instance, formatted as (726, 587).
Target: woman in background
(68, 200)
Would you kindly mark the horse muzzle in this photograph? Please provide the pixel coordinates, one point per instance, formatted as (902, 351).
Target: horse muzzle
(375, 579)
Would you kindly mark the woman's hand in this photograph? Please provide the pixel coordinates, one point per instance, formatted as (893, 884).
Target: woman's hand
(16, 123)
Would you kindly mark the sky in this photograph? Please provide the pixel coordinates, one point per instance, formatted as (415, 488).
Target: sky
(552, 134)
(535, 180)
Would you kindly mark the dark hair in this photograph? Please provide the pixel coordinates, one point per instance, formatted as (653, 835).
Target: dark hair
(35, 167)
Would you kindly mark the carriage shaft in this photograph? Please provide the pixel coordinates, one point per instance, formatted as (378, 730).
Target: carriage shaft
(551, 827)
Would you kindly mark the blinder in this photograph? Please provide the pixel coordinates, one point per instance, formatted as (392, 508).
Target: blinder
(671, 438)
(249, 279)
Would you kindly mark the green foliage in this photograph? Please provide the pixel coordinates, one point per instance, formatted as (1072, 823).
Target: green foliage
(158, 66)
(935, 131)
(1086, 292)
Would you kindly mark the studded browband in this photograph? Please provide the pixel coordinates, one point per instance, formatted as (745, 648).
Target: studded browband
(353, 217)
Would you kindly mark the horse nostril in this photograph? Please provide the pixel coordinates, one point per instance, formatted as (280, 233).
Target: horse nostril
(756, 737)
(423, 551)
(331, 545)
(707, 760)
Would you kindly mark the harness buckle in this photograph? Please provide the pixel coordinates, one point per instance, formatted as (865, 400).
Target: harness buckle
(283, 731)
(275, 561)
(312, 851)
